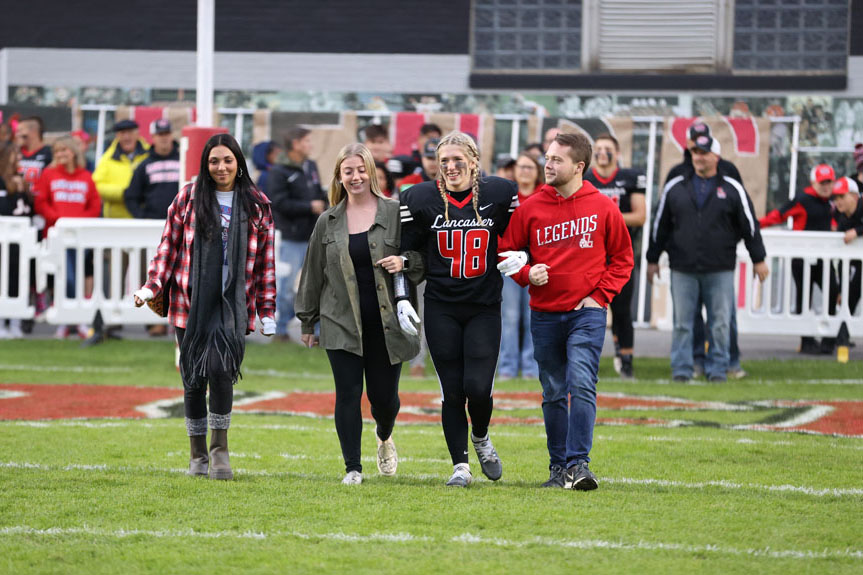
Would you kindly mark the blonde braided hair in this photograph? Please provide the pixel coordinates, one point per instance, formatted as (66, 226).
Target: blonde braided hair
(469, 146)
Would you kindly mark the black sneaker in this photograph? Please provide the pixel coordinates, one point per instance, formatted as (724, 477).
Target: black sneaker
(555, 477)
(579, 477)
(626, 366)
(489, 461)
(680, 379)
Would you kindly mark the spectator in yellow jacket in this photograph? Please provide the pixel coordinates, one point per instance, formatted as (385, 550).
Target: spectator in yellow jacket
(114, 170)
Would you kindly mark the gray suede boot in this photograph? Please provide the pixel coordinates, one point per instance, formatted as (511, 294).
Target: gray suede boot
(220, 463)
(198, 458)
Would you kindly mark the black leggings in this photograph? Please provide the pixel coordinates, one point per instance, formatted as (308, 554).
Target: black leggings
(621, 315)
(464, 342)
(382, 389)
(221, 390)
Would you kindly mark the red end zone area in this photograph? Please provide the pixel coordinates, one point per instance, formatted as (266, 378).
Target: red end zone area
(45, 402)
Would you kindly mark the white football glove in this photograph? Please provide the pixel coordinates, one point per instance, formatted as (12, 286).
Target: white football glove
(407, 317)
(268, 326)
(144, 294)
(514, 261)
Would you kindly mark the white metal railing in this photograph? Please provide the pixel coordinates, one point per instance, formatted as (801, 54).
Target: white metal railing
(121, 251)
(769, 308)
(16, 231)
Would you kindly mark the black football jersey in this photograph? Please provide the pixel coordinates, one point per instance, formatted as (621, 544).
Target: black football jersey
(620, 187)
(460, 254)
(31, 166)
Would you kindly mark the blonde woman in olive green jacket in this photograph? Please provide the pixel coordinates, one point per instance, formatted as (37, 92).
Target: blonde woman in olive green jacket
(353, 282)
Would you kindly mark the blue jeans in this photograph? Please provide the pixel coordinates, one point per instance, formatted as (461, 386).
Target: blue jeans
(293, 254)
(515, 317)
(687, 290)
(698, 338)
(567, 346)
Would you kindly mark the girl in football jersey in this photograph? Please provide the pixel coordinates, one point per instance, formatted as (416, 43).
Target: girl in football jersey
(455, 222)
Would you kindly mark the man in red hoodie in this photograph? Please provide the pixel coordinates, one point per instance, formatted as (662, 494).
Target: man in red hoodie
(581, 258)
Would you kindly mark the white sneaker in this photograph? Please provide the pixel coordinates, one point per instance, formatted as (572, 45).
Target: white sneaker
(83, 330)
(461, 476)
(617, 363)
(738, 373)
(488, 458)
(388, 459)
(353, 478)
(15, 329)
(62, 332)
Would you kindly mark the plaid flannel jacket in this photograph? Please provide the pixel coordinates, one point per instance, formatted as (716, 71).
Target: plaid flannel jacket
(172, 262)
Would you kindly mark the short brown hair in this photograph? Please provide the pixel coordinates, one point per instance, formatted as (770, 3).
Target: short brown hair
(293, 134)
(375, 131)
(610, 138)
(579, 146)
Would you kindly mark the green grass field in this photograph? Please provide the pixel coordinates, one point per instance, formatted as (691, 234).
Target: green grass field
(695, 495)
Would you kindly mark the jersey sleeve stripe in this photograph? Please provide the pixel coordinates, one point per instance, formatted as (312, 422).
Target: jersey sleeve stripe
(671, 183)
(745, 201)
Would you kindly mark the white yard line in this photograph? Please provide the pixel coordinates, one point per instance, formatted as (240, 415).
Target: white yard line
(464, 539)
(827, 492)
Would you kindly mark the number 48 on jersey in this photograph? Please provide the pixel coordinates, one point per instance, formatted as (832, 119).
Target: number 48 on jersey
(467, 251)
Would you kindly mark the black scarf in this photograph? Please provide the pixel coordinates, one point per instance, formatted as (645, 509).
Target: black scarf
(215, 338)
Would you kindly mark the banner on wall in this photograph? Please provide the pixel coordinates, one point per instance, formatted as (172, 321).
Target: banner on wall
(619, 127)
(745, 142)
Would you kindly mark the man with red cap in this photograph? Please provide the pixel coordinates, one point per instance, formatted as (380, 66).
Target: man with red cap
(848, 213)
(809, 211)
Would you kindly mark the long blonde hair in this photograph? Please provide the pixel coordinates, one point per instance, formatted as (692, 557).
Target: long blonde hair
(337, 190)
(466, 143)
(74, 147)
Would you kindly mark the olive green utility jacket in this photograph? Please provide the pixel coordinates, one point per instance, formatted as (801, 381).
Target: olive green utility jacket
(328, 285)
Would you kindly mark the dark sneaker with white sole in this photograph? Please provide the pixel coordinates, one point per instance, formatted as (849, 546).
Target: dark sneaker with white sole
(488, 459)
(555, 476)
(579, 477)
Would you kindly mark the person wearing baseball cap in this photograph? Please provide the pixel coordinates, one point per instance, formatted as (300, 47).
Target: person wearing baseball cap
(848, 213)
(114, 169)
(702, 215)
(696, 129)
(156, 180)
(809, 211)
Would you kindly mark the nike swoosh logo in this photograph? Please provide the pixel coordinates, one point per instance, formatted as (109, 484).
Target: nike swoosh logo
(485, 206)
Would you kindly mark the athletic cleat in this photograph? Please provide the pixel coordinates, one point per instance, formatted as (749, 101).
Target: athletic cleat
(388, 459)
(488, 459)
(461, 476)
(580, 478)
(626, 366)
(555, 477)
(353, 478)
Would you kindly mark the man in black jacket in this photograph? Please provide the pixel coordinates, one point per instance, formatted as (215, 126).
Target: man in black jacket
(156, 180)
(701, 217)
(297, 200)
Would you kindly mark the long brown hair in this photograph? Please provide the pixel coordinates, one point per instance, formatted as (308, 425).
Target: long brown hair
(9, 166)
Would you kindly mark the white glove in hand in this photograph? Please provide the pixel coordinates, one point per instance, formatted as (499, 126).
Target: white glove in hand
(514, 261)
(407, 317)
(268, 326)
(144, 294)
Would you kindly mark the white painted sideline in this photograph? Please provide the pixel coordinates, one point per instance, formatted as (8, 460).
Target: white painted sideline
(464, 539)
(803, 490)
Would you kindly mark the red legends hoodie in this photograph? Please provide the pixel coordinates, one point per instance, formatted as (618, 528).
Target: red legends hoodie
(582, 239)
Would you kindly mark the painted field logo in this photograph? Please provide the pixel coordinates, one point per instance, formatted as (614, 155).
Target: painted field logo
(35, 402)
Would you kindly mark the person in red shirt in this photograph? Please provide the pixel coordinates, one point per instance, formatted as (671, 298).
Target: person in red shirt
(66, 190)
(215, 266)
(581, 258)
(516, 345)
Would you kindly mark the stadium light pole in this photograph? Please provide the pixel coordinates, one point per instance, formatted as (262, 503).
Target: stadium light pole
(206, 49)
